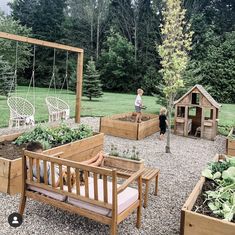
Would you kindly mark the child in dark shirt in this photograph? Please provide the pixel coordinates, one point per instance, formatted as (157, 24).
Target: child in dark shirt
(163, 123)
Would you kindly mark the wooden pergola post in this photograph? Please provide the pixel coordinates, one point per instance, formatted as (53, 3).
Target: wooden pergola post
(79, 52)
(79, 87)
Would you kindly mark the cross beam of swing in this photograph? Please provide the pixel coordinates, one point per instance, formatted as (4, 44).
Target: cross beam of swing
(79, 51)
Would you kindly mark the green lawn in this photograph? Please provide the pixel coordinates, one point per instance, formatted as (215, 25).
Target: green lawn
(110, 103)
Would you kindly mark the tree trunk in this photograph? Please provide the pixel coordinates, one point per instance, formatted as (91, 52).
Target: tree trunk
(135, 41)
(98, 37)
(92, 29)
(169, 109)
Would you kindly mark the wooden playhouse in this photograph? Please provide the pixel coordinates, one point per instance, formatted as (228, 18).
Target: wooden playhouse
(196, 113)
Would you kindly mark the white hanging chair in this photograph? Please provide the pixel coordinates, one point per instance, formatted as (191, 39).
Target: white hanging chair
(21, 112)
(58, 109)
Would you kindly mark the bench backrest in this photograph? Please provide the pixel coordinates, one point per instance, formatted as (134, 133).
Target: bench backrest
(42, 159)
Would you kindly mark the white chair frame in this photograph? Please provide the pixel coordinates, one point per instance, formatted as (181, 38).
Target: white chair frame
(21, 112)
(58, 109)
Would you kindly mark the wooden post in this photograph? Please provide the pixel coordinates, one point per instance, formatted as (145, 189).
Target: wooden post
(202, 123)
(79, 87)
(214, 126)
(186, 121)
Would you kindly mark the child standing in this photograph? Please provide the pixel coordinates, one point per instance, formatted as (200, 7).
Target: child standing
(163, 123)
(138, 105)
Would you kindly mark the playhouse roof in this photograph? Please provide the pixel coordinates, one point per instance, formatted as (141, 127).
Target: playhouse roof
(204, 93)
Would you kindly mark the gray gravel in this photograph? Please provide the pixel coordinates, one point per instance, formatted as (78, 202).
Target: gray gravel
(179, 173)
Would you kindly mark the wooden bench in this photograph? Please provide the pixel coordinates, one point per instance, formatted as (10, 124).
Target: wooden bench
(149, 174)
(107, 201)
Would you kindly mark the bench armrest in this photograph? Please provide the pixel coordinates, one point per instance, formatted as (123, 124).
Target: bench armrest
(130, 180)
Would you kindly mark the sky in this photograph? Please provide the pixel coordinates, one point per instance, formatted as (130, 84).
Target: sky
(4, 7)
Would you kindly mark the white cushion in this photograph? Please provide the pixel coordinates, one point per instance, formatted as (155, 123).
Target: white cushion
(125, 198)
(53, 195)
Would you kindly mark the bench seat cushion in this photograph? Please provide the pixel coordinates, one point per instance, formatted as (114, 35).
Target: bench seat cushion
(125, 199)
(50, 194)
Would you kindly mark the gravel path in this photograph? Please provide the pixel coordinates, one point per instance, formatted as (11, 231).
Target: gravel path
(179, 173)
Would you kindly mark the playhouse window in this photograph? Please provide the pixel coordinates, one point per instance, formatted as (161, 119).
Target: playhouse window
(208, 113)
(192, 111)
(180, 111)
(195, 98)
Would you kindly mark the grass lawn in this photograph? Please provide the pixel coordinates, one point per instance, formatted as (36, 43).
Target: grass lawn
(110, 103)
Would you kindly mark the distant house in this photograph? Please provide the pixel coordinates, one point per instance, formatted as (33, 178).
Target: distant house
(196, 113)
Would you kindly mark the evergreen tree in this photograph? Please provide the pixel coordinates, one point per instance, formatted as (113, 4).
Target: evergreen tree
(92, 87)
(117, 64)
(6, 77)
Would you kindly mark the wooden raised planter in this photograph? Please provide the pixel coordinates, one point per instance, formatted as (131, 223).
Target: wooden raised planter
(130, 130)
(80, 150)
(231, 143)
(193, 223)
(123, 163)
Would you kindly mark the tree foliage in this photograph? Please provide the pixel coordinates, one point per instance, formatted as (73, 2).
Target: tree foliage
(117, 64)
(92, 87)
(6, 77)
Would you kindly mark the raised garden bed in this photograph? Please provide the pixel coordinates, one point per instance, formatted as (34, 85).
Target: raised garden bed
(231, 142)
(195, 223)
(11, 169)
(124, 125)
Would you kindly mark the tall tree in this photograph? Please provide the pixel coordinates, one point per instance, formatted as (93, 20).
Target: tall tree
(117, 64)
(174, 53)
(92, 87)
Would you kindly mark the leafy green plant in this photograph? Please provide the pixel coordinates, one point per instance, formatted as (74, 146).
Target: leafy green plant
(51, 137)
(221, 201)
(133, 155)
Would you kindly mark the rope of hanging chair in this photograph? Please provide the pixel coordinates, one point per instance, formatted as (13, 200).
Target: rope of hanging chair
(32, 79)
(53, 75)
(14, 81)
(66, 78)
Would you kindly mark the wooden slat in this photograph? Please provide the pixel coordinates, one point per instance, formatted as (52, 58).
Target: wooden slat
(45, 172)
(38, 170)
(77, 172)
(52, 174)
(39, 42)
(61, 176)
(69, 178)
(86, 184)
(95, 181)
(105, 188)
(30, 169)
(59, 161)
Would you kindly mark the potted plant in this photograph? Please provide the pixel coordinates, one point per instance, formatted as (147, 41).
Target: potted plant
(210, 208)
(127, 160)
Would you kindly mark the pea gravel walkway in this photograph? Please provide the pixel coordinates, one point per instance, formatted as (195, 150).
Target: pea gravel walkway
(179, 173)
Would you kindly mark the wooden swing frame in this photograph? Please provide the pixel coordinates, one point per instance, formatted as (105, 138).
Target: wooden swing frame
(79, 51)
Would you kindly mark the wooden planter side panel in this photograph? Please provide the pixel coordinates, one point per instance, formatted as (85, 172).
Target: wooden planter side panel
(197, 224)
(10, 176)
(125, 164)
(230, 144)
(148, 128)
(80, 150)
(118, 128)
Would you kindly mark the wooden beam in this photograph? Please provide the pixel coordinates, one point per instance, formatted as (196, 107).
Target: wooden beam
(79, 87)
(202, 122)
(186, 121)
(39, 42)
